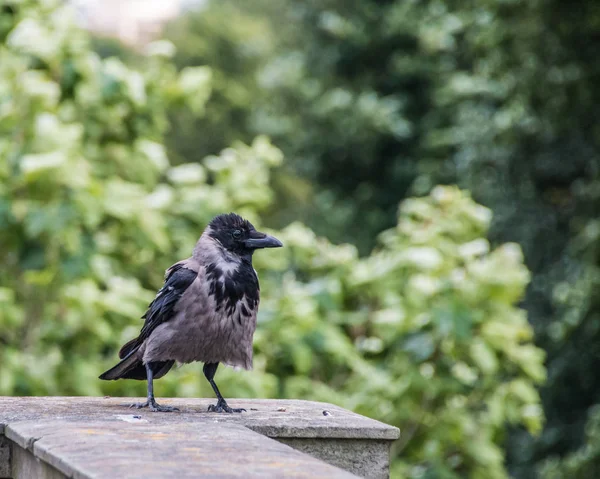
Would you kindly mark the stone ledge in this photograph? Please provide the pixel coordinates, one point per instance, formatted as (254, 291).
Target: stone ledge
(101, 437)
(273, 418)
(114, 449)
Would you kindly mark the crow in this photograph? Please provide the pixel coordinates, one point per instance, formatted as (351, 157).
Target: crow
(205, 311)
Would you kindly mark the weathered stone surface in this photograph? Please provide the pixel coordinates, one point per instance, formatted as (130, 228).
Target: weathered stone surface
(103, 437)
(363, 457)
(273, 418)
(26, 465)
(4, 457)
(108, 449)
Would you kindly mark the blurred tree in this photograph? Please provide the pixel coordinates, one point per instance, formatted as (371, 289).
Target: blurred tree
(583, 463)
(374, 100)
(516, 115)
(423, 333)
(235, 44)
(107, 47)
(89, 203)
(346, 101)
(324, 81)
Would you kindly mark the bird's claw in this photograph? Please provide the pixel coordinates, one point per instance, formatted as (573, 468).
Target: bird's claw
(223, 407)
(153, 406)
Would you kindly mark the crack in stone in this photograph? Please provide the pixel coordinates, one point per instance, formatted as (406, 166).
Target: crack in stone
(30, 442)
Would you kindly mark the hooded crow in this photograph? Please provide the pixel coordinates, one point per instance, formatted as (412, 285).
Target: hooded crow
(205, 311)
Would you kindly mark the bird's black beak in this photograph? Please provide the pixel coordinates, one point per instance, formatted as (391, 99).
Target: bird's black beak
(261, 240)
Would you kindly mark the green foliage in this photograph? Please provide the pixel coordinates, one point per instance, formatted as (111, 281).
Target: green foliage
(314, 91)
(234, 44)
(516, 120)
(423, 333)
(582, 464)
(89, 203)
(372, 101)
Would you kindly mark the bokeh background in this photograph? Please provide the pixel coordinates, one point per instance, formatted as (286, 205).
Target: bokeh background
(432, 167)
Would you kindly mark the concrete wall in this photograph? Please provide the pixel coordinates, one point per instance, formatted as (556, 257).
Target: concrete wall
(102, 438)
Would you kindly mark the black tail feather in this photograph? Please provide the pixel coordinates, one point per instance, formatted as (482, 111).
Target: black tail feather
(160, 368)
(128, 347)
(132, 367)
(131, 364)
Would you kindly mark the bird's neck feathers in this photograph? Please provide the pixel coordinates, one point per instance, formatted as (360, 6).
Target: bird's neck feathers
(230, 277)
(209, 251)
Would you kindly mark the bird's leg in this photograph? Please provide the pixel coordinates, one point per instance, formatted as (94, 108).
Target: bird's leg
(209, 371)
(150, 402)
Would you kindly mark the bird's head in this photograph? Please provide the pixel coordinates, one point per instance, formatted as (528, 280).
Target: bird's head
(238, 236)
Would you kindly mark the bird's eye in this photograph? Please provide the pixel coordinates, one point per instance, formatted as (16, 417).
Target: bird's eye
(236, 234)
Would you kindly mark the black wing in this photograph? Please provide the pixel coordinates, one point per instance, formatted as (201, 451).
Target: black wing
(179, 278)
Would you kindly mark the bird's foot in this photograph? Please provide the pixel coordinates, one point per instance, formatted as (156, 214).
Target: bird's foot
(222, 406)
(154, 406)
